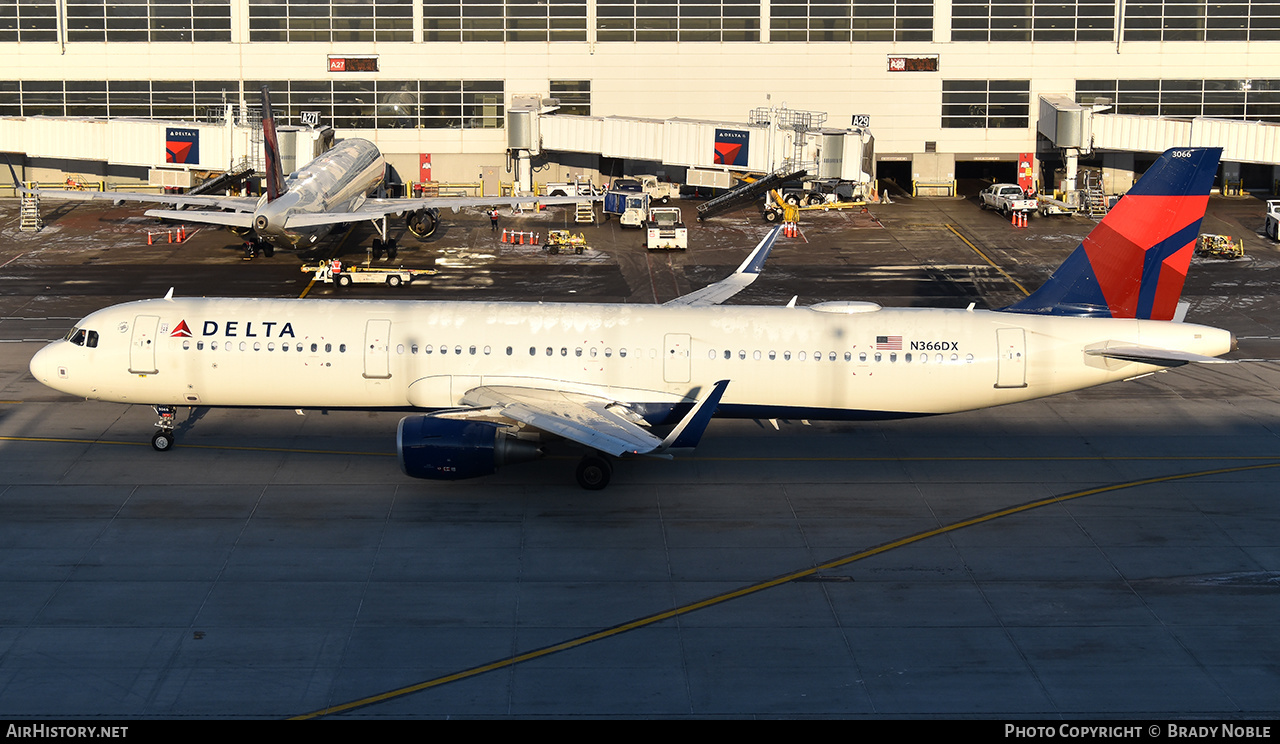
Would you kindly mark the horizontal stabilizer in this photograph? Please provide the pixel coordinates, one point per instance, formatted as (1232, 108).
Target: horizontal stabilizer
(226, 219)
(1161, 357)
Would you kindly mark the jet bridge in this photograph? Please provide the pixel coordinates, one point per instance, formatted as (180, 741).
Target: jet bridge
(775, 139)
(1080, 129)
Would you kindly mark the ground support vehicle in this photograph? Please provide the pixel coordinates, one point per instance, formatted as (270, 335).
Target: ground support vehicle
(1272, 224)
(778, 209)
(665, 230)
(659, 191)
(1218, 246)
(1006, 198)
(630, 206)
(1049, 205)
(562, 241)
(572, 188)
(334, 272)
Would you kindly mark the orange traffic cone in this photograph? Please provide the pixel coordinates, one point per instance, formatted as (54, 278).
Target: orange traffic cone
(170, 234)
(150, 239)
(504, 236)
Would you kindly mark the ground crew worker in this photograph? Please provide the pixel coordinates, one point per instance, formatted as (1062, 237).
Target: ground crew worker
(493, 220)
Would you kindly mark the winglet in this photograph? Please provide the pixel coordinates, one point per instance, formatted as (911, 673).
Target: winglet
(755, 262)
(689, 431)
(714, 294)
(17, 185)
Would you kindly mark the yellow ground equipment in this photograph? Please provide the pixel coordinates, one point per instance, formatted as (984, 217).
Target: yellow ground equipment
(561, 241)
(1219, 246)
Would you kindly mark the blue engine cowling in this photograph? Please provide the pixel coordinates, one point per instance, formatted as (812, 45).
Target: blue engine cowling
(453, 449)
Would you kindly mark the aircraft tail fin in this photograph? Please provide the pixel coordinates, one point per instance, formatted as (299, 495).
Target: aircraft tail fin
(271, 149)
(1134, 263)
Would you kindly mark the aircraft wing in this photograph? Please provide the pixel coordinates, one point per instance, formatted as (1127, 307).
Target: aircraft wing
(373, 209)
(714, 294)
(1151, 355)
(226, 219)
(237, 203)
(595, 422)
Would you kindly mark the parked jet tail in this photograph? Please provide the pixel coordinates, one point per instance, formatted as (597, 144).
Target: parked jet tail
(271, 149)
(1134, 263)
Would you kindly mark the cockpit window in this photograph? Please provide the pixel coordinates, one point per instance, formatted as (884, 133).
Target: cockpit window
(92, 340)
(76, 336)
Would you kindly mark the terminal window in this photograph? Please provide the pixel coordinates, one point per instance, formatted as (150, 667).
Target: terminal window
(986, 104)
(323, 20)
(1024, 20)
(504, 20)
(148, 20)
(1197, 20)
(845, 20)
(678, 20)
(1251, 99)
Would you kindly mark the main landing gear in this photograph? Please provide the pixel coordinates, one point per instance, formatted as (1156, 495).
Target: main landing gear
(594, 472)
(254, 247)
(162, 440)
(380, 246)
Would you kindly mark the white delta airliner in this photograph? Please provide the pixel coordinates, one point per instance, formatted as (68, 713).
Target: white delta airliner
(489, 382)
(298, 211)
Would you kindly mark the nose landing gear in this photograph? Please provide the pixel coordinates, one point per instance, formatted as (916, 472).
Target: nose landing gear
(162, 440)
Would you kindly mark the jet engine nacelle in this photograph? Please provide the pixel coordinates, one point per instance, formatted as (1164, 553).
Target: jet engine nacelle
(453, 449)
(423, 222)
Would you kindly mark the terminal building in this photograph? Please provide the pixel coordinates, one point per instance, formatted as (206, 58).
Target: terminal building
(949, 88)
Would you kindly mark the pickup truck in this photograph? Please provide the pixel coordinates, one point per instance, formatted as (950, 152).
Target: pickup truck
(570, 188)
(659, 191)
(1006, 198)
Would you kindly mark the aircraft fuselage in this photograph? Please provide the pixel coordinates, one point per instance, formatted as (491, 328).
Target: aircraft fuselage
(339, 180)
(833, 361)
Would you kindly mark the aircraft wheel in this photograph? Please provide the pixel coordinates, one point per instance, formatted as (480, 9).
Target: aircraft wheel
(162, 441)
(594, 472)
(392, 249)
(268, 250)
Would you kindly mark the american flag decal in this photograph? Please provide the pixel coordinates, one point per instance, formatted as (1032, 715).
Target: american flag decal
(889, 343)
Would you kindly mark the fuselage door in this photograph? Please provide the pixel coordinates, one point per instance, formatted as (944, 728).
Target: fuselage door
(377, 349)
(1011, 362)
(675, 359)
(142, 346)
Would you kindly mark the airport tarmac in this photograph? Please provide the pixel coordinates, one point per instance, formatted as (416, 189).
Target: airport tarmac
(1112, 553)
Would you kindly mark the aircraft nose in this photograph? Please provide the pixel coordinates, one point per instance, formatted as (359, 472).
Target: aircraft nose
(42, 366)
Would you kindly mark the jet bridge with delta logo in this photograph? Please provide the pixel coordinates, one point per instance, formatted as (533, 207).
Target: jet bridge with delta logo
(777, 141)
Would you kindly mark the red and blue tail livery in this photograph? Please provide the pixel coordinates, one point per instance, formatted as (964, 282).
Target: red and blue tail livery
(1134, 263)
